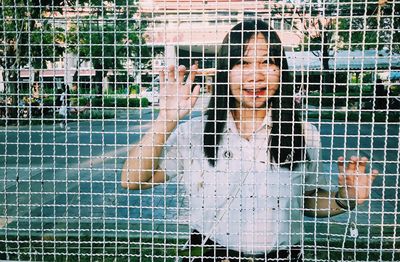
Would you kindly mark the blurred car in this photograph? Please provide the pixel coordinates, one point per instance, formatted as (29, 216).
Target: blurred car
(152, 95)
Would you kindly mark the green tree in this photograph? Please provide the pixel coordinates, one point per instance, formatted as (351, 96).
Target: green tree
(319, 21)
(376, 27)
(28, 37)
(328, 16)
(34, 32)
(110, 37)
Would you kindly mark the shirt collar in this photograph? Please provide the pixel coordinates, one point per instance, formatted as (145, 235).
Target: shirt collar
(231, 127)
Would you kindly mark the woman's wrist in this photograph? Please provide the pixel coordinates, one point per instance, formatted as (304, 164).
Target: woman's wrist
(165, 115)
(163, 124)
(344, 203)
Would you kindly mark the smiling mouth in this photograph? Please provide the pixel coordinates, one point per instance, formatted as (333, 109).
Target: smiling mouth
(255, 92)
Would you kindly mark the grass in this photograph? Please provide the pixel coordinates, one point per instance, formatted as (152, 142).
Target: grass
(94, 114)
(354, 250)
(95, 108)
(88, 249)
(147, 249)
(52, 119)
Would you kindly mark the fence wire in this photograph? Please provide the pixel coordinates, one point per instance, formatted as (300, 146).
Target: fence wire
(199, 130)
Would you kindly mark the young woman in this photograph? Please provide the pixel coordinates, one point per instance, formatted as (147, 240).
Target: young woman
(249, 166)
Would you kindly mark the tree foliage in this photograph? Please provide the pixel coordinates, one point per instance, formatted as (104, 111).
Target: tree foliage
(34, 32)
(28, 37)
(343, 24)
(110, 38)
(356, 24)
(373, 27)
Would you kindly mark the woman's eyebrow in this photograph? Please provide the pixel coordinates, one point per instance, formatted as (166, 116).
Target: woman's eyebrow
(266, 56)
(262, 55)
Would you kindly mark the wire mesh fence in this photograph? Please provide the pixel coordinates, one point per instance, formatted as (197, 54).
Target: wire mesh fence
(192, 130)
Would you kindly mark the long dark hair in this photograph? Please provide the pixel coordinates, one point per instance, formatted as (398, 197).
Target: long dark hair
(287, 141)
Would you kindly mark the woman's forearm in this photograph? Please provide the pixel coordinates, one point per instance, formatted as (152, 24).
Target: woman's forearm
(143, 158)
(321, 203)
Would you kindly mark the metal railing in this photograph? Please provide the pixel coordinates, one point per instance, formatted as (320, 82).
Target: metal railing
(80, 86)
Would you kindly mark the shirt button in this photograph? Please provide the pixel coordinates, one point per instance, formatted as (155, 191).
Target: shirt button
(228, 154)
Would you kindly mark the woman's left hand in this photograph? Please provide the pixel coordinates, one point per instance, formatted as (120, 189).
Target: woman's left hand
(354, 183)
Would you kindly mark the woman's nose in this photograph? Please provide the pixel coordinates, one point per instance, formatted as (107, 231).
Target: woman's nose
(256, 72)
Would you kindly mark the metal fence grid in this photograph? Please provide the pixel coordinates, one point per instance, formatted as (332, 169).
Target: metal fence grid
(80, 86)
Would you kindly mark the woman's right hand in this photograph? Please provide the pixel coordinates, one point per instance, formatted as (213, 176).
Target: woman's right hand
(176, 97)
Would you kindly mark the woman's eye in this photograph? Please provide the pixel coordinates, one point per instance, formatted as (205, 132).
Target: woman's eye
(269, 61)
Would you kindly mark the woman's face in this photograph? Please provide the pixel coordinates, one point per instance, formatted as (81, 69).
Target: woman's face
(255, 77)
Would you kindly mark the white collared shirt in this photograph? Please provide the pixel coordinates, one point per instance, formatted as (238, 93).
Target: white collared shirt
(245, 202)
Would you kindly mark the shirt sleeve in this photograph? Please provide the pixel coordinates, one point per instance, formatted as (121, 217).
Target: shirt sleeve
(170, 160)
(315, 177)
